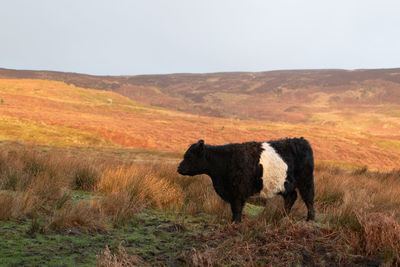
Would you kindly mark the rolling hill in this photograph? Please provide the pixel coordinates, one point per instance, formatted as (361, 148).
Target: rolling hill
(49, 108)
(289, 96)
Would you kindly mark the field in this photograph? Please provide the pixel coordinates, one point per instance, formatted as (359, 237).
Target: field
(88, 168)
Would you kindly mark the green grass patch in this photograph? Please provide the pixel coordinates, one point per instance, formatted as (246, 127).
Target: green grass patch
(155, 236)
(253, 210)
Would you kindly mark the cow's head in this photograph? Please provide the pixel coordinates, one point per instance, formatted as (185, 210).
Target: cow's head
(194, 160)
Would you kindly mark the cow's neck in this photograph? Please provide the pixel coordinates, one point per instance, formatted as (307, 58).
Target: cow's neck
(217, 160)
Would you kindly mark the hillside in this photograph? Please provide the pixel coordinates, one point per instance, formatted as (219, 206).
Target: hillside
(57, 114)
(289, 96)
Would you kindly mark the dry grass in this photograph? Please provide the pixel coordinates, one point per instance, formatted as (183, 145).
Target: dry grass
(340, 193)
(130, 189)
(42, 196)
(119, 259)
(360, 208)
(86, 176)
(358, 211)
(254, 244)
(39, 183)
(197, 192)
(84, 214)
(380, 234)
(6, 206)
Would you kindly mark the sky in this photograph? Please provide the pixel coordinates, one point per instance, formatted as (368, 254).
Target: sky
(129, 37)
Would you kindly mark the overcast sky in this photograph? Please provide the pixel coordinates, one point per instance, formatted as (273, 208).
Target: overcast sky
(174, 36)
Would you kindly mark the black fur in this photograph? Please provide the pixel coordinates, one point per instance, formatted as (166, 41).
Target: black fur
(236, 172)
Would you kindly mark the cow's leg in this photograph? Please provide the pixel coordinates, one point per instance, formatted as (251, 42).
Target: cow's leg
(237, 208)
(307, 194)
(290, 198)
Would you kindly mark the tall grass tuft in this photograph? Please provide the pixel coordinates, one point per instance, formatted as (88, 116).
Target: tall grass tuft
(130, 189)
(84, 214)
(86, 176)
(6, 205)
(41, 196)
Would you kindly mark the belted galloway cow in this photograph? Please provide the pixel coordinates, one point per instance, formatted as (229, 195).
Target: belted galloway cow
(239, 171)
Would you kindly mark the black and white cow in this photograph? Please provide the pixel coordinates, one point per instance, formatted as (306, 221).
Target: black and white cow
(239, 171)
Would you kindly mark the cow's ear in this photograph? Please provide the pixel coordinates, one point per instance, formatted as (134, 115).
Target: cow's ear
(200, 145)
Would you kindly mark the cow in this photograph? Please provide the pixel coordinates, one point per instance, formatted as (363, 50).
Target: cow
(239, 171)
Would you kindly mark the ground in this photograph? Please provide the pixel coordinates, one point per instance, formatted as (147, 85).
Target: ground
(154, 236)
(157, 238)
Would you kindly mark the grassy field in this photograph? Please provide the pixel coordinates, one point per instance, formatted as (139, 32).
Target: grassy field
(110, 207)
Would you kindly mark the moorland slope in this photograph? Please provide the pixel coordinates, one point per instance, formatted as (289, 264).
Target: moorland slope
(58, 114)
(290, 95)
